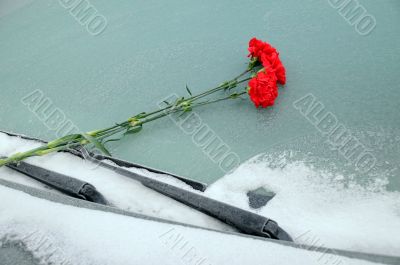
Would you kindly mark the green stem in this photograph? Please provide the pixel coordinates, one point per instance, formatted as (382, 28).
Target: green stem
(76, 139)
(206, 93)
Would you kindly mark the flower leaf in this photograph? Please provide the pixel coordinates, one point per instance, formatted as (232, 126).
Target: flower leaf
(112, 140)
(140, 115)
(188, 90)
(96, 143)
(134, 130)
(234, 95)
(63, 140)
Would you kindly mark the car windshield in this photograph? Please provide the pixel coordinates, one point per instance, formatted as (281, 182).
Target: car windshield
(331, 137)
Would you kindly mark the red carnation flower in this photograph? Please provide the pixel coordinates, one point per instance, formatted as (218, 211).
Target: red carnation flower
(268, 56)
(263, 88)
(280, 71)
(258, 48)
(273, 62)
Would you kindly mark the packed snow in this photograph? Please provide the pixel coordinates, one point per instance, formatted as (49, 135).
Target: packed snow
(316, 207)
(120, 191)
(60, 234)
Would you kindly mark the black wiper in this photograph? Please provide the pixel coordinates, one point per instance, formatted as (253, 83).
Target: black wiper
(68, 185)
(245, 221)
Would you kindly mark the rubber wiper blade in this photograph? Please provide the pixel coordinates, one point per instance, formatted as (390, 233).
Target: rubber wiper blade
(122, 163)
(83, 153)
(245, 221)
(66, 184)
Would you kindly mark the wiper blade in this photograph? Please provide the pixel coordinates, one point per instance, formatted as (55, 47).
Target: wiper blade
(83, 153)
(245, 221)
(122, 163)
(68, 185)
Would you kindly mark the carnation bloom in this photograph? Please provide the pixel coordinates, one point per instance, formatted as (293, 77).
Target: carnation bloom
(268, 56)
(280, 71)
(258, 47)
(274, 63)
(263, 88)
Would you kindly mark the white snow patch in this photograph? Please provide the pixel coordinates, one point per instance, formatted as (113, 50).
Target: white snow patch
(122, 192)
(317, 208)
(61, 234)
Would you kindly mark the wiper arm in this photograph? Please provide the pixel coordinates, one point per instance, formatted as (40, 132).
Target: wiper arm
(245, 221)
(68, 185)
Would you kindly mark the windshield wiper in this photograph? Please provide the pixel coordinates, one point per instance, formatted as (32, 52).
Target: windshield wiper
(63, 183)
(244, 221)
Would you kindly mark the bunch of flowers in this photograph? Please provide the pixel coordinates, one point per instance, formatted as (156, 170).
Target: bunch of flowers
(264, 72)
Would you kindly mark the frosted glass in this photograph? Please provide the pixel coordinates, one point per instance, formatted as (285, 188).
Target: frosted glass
(151, 49)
